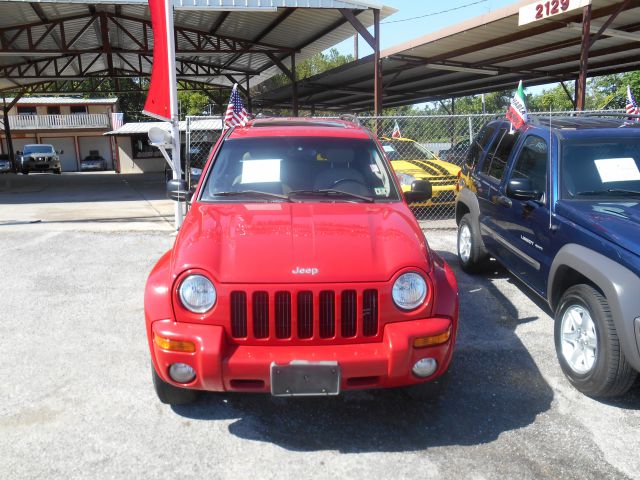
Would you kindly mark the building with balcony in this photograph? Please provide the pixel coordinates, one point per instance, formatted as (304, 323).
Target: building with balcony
(74, 126)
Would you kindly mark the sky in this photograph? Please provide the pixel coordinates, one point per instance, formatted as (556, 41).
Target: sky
(394, 32)
(436, 15)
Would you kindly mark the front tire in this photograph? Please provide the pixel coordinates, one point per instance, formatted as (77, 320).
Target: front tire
(471, 254)
(587, 344)
(170, 394)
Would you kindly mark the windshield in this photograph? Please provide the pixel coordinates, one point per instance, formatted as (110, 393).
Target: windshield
(299, 169)
(37, 149)
(404, 150)
(600, 167)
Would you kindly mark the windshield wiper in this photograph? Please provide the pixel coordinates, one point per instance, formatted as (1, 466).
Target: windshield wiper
(252, 193)
(614, 191)
(330, 192)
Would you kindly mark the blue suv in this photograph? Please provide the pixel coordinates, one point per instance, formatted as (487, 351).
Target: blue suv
(558, 204)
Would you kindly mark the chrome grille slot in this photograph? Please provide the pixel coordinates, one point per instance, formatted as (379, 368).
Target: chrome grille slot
(305, 314)
(283, 314)
(370, 313)
(348, 316)
(238, 314)
(327, 314)
(260, 314)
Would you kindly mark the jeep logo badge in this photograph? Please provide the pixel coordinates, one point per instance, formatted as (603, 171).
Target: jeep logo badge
(305, 271)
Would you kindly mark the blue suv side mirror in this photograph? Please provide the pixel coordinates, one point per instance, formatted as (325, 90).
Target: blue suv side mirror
(522, 189)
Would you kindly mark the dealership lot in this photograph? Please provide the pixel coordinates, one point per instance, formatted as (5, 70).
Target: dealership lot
(77, 400)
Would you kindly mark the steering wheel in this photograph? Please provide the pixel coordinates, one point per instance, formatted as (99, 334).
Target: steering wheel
(352, 180)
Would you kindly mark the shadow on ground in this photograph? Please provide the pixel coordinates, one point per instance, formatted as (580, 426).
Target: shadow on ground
(494, 387)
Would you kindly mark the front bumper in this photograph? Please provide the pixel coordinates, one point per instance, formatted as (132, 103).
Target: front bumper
(442, 195)
(36, 165)
(221, 366)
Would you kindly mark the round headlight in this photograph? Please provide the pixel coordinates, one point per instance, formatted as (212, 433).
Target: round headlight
(406, 180)
(409, 291)
(197, 293)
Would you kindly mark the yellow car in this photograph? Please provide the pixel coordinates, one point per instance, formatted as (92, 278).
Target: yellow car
(411, 161)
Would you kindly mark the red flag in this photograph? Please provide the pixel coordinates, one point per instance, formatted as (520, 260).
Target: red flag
(162, 89)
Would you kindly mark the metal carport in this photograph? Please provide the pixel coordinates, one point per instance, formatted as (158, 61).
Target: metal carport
(484, 54)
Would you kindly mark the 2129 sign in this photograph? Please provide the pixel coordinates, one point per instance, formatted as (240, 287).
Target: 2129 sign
(541, 10)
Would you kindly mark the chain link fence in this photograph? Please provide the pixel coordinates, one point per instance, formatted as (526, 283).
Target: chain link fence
(430, 147)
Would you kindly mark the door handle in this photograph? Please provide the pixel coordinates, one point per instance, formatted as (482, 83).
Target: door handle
(504, 201)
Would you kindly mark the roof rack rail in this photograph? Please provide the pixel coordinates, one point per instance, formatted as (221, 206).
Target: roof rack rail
(350, 117)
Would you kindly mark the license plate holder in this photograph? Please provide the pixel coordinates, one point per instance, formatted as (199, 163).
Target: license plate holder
(304, 378)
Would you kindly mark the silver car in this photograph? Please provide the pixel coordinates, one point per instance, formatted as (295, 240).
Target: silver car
(39, 157)
(5, 164)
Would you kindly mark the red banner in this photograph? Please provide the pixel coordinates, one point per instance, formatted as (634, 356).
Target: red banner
(158, 103)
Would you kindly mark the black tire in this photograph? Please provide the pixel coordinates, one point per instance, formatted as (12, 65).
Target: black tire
(610, 375)
(170, 394)
(478, 259)
(25, 172)
(57, 171)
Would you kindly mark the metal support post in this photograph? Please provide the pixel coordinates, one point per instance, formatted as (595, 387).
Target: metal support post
(7, 132)
(378, 87)
(249, 103)
(581, 84)
(294, 86)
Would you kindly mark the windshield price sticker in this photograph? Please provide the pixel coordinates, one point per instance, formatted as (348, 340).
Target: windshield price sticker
(617, 169)
(388, 148)
(260, 171)
(548, 8)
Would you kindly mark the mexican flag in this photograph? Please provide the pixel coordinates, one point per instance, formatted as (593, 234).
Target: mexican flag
(517, 112)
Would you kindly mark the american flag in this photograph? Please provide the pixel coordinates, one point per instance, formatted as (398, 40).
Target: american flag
(116, 120)
(236, 113)
(632, 106)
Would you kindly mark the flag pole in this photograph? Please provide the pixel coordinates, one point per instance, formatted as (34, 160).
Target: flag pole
(173, 99)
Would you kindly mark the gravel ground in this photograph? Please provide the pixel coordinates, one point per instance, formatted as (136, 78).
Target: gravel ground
(76, 399)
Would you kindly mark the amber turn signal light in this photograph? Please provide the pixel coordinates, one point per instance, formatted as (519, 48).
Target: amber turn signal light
(174, 345)
(432, 340)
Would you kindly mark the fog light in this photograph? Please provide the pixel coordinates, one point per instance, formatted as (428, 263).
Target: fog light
(181, 373)
(425, 367)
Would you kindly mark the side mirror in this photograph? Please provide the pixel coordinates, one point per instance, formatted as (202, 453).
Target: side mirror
(178, 190)
(60, 152)
(522, 189)
(18, 152)
(421, 191)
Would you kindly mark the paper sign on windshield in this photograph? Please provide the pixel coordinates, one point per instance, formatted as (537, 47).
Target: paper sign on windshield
(258, 171)
(617, 169)
(388, 148)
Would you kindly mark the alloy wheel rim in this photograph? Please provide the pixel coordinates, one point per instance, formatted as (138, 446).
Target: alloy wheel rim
(464, 243)
(579, 340)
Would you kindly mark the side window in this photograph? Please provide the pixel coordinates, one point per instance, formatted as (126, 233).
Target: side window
(496, 161)
(479, 145)
(532, 162)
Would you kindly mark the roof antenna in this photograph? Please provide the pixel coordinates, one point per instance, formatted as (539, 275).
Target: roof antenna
(550, 177)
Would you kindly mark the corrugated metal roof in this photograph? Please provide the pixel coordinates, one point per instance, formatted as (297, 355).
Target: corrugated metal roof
(44, 52)
(64, 101)
(487, 53)
(133, 128)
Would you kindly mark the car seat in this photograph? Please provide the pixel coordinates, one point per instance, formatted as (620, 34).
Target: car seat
(340, 172)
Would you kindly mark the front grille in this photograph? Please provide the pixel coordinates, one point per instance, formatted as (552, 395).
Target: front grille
(305, 314)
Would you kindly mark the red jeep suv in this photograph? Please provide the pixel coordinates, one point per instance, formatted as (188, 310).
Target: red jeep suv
(299, 270)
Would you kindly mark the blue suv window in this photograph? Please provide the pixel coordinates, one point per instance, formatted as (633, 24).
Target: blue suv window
(532, 162)
(496, 161)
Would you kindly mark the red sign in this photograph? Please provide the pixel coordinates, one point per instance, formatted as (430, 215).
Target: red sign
(158, 103)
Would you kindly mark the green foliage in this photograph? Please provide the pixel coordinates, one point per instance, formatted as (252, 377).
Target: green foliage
(192, 103)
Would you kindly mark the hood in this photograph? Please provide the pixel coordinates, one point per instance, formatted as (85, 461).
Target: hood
(617, 221)
(425, 168)
(38, 155)
(299, 242)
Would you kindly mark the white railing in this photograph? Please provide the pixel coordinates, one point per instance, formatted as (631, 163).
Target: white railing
(49, 122)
